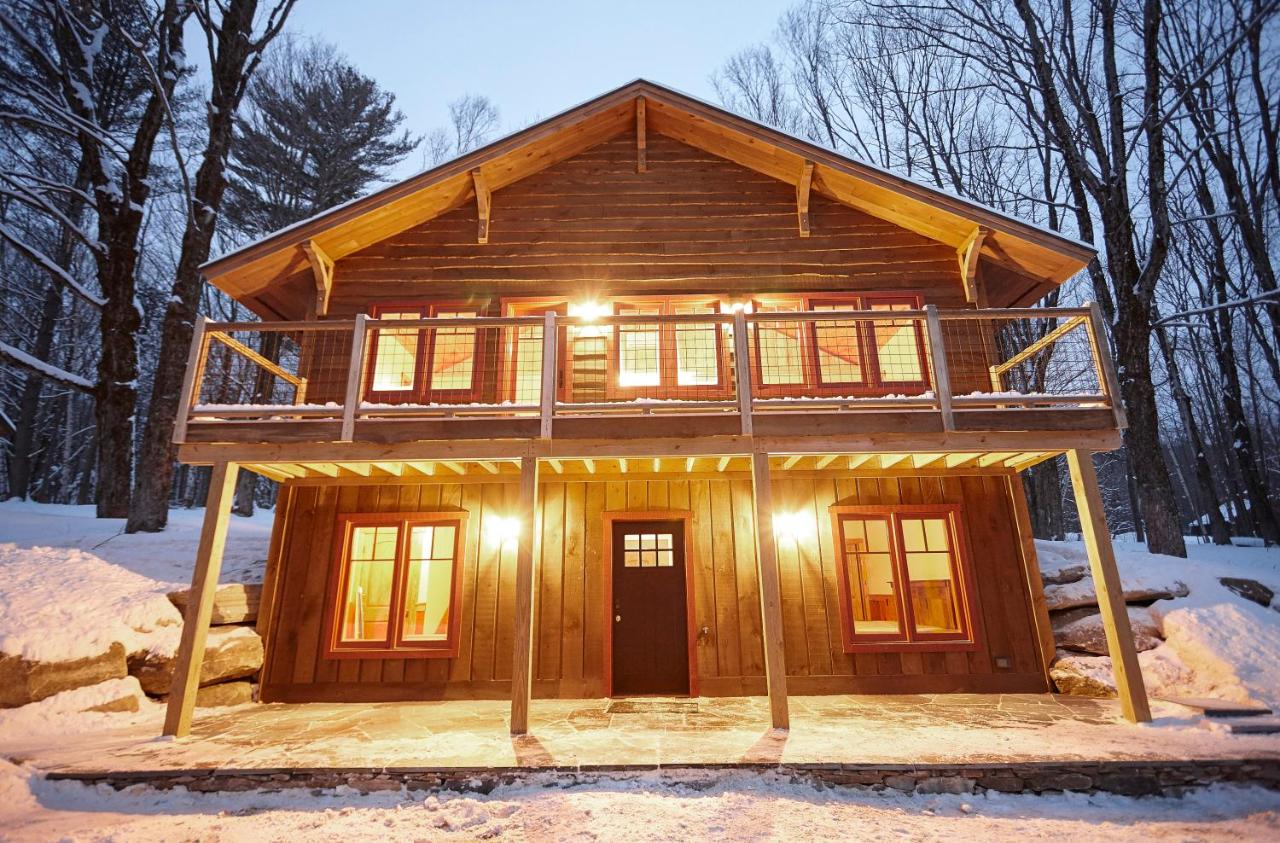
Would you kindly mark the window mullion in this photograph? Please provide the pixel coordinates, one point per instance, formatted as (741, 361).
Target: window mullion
(395, 622)
(903, 591)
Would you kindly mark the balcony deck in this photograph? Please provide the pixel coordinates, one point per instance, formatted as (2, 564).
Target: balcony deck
(1029, 382)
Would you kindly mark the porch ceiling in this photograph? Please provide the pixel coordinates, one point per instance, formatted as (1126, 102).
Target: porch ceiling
(880, 464)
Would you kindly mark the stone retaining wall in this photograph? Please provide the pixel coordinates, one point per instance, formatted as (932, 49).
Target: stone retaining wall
(1127, 778)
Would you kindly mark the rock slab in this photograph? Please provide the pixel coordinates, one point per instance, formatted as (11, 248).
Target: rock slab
(23, 681)
(222, 694)
(233, 652)
(1081, 631)
(232, 603)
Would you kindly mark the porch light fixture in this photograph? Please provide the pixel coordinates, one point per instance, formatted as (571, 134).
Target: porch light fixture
(590, 311)
(502, 528)
(740, 306)
(792, 526)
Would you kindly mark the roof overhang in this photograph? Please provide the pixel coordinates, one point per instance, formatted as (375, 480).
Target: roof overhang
(1029, 260)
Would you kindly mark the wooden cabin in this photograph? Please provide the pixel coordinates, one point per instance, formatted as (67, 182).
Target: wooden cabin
(648, 398)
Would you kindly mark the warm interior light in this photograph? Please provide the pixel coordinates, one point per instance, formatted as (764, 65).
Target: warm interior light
(735, 307)
(792, 526)
(502, 528)
(590, 311)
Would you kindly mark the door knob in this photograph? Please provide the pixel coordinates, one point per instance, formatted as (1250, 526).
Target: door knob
(617, 618)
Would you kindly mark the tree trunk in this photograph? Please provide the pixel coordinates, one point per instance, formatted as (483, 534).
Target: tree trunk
(246, 485)
(20, 460)
(116, 391)
(1044, 489)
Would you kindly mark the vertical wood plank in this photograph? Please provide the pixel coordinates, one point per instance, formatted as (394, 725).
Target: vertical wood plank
(770, 594)
(1106, 581)
(704, 575)
(727, 644)
(571, 622)
(204, 584)
(547, 631)
(522, 652)
(593, 617)
(750, 635)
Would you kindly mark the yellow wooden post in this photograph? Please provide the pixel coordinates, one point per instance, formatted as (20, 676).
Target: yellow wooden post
(522, 658)
(775, 666)
(1106, 582)
(204, 583)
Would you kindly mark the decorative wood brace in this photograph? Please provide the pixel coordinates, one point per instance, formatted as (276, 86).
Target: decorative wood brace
(642, 162)
(802, 197)
(967, 254)
(482, 206)
(322, 268)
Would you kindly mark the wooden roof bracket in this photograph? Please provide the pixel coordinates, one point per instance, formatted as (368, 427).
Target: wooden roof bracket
(482, 206)
(322, 268)
(642, 162)
(802, 197)
(967, 255)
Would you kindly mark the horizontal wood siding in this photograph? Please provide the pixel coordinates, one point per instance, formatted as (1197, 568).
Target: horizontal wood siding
(570, 610)
(691, 222)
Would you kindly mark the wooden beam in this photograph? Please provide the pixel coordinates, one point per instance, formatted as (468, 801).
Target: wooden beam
(775, 668)
(355, 371)
(858, 460)
(1107, 585)
(322, 270)
(204, 584)
(967, 255)
(790, 462)
(823, 462)
(482, 206)
(556, 466)
(802, 197)
(941, 370)
(642, 162)
(622, 465)
(191, 379)
(522, 657)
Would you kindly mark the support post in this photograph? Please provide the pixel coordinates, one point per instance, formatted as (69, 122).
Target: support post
(742, 370)
(191, 380)
(775, 667)
(522, 657)
(204, 583)
(355, 372)
(547, 397)
(941, 374)
(1106, 582)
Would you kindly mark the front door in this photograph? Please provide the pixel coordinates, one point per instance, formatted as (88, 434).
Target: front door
(650, 615)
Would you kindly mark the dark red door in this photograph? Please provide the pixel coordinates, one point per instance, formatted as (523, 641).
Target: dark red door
(650, 615)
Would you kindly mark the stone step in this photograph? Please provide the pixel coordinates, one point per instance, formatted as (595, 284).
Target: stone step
(1269, 725)
(1210, 707)
(233, 603)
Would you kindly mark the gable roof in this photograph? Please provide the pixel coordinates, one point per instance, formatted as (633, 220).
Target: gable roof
(1031, 258)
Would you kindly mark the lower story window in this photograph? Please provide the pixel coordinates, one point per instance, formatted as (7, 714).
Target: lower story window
(903, 576)
(397, 584)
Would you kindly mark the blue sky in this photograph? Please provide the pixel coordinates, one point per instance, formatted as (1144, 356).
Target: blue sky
(532, 59)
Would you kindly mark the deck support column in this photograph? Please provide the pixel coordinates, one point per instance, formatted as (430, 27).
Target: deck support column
(204, 584)
(522, 658)
(1110, 591)
(775, 667)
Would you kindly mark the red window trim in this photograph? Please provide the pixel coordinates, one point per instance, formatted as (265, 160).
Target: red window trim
(967, 610)
(421, 393)
(393, 647)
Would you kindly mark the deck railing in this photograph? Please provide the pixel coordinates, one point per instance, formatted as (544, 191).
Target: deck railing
(740, 363)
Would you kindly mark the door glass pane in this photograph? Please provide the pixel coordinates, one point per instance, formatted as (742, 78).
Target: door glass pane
(639, 349)
(453, 352)
(648, 550)
(871, 579)
(429, 585)
(839, 353)
(927, 544)
(696, 351)
(779, 347)
(395, 355)
(897, 346)
(371, 565)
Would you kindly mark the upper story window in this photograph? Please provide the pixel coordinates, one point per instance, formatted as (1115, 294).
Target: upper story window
(411, 365)
(656, 358)
(903, 577)
(396, 587)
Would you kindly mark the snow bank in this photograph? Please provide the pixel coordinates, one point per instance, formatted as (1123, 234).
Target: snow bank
(70, 711)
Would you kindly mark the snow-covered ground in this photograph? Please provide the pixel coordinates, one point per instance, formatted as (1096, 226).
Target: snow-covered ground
(70, 583)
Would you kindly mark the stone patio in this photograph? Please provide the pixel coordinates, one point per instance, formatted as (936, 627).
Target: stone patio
(650, 733)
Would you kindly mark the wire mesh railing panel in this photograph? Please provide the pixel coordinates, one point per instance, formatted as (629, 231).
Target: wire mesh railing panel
(451, 363)
(627, 360)
(846, 357)
(251, 371)
(1025, 360)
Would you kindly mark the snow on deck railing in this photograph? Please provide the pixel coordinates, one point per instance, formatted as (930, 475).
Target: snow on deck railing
(366, 370)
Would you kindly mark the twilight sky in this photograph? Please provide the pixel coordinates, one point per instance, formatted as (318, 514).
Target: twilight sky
(532, 59)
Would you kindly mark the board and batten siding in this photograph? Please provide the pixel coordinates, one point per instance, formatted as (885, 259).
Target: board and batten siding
(570, 608)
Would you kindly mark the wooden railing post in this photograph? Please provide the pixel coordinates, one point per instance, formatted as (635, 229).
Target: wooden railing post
(1105, 365)
(941, 374)
(742, 369)
(355, 374)
(547, 398)
(522, 654)
(1110, 590)
(204, 584)
(191, 380)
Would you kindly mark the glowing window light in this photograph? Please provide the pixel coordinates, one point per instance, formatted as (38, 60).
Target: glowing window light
(590, 311)
(736, 307)
(502, 529)
(792, 526)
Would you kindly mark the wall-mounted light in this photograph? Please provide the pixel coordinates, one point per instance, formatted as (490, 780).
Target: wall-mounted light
(502, 528)
(590, 311)
(792, 526)
(739, 306)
